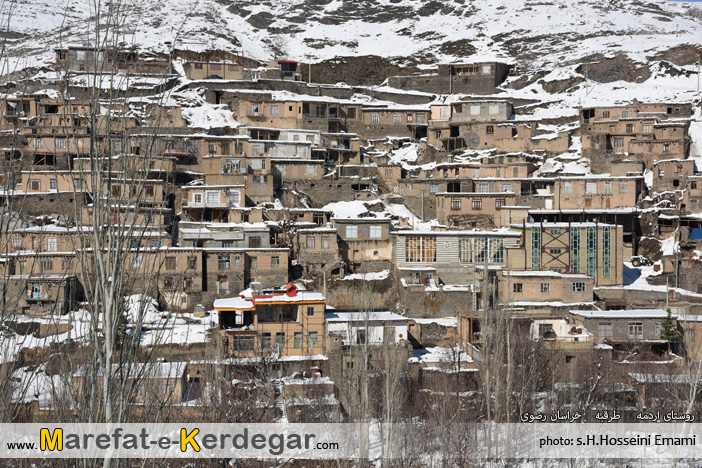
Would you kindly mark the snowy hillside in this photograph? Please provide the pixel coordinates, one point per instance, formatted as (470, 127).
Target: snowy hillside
(539, 34)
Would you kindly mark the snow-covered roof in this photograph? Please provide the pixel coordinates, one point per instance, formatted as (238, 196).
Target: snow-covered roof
(622, 314)
(360, 316)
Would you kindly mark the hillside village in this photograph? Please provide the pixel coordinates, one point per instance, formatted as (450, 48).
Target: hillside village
(295, 234)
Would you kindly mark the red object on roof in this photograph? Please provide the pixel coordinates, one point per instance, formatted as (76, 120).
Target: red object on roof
(291, 289)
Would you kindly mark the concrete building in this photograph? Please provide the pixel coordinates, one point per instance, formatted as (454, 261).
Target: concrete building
(290, 323)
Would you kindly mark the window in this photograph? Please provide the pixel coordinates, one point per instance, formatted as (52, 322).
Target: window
(117, 145)
(420, 249)
(636, 330)
(499, 202)
(555, 232)
(623, 186)
(168, 283)
(274, 109)
(375, 117)
(483, 188)
(237, 260)
(265, 340)
(60, 142)
(647, 128)
(456, 204)
(46, 264)
(254, 262)
(629, 128)
(578, 286)
(310, 242)
(212, 196)
(410, 118)
(280, 339)
(486, 69)
(80, 55)
(197, 199)
(352, 232)
(137, 261)
(444, 113)
(545, 287)
(608, 188)
(67, 264)
(16, 241)
(51, 244)
(192, 262)
(310, 311)
(619, 142)
(223, 262)
(475, 110)
(231, 67)
(352, 112)
(517, 287)
(494, 109)
(38, 142)
(555, 251)
(312, 340)
(170, 263)
(536, 248)
(477, 204)
(34, 185)
(604, 329)
(625, 114)
(53, 184)
(506, 188)
(490, 130)
(605, 114)
(388, 173)
(396, 118)
(234, 197)
(666, 147)
(433, 188)
(590, 188)
(420, 118)
(515, 172)
(325, 243)
(297, 340)
(376, 232)
(606, 251)
(255, 242)
(222, 286)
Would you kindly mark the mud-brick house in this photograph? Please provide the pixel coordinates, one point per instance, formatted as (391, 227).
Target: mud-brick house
(652, 110)
(672, 174)
(317, 250)
(211, 202)
(622, 326)
(281, 324)
(645, 138)
(458, 78)
(242, 235)
(593, 192)
(472, 209)
(159, 382)
(365, 244)
(543, 292)
(592, 249)
(40, 294)
(506, 137)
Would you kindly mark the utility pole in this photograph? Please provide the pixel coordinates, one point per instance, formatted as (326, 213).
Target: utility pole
(699, 58)
(309, 69)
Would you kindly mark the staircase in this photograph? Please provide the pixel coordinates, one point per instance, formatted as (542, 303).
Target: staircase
(279, 392)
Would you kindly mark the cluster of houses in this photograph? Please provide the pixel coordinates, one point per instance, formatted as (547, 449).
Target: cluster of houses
(246, 220)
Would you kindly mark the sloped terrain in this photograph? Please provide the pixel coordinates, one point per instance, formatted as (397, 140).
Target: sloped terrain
(537, 33)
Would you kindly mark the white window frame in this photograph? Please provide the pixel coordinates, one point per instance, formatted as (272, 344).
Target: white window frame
(51, 244)
(376, 232)
(352, 231)
(198, 199)
(210, 196)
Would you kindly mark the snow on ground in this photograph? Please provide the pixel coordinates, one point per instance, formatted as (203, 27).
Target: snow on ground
(443, 321)
(441, 356)
(373, 276)
(35, 385)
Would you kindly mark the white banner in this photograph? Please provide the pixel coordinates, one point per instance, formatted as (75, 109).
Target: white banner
(538, 440)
